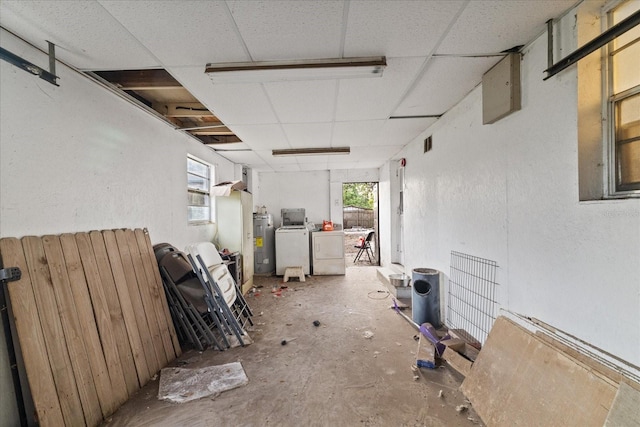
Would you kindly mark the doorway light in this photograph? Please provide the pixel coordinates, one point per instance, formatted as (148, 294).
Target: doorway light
(314, 69)
(311, 151)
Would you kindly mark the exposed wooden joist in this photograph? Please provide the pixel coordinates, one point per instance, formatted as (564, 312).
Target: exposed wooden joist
(182, 109)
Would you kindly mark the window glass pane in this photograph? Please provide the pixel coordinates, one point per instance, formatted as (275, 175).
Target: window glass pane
(628, 165)
(197, 182)
(626, 67)
(197, 168)
(198, 213)
(622, 12)
(628, 118)
(198, 199)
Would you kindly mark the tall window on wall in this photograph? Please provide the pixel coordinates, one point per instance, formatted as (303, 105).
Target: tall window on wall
(623, 103)
(198, 191)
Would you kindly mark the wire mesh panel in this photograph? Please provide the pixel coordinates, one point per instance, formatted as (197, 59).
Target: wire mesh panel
(472, 289)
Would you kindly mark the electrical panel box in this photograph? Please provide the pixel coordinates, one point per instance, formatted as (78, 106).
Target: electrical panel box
(501, 89)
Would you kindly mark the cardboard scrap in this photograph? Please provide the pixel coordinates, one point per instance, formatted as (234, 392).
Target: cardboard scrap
(181, 385)
(225, 188)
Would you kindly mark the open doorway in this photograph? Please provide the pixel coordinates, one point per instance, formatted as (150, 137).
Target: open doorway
(360, 219)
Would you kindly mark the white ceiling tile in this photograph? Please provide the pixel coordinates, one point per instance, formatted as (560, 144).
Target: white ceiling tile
(397, 28)
(314, 166)
(231, 103)
(361, 133)
(242, 157)
(303, 101)
(286, 168)
(85, 34)
(188, 32)
(312, 159)
(261, 137)
(276, 160)
(283, 29)
(308, 135)
(375, 98)
(446, 81)
(496, 25)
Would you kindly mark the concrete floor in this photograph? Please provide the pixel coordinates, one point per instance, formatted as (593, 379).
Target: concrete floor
(329, 375)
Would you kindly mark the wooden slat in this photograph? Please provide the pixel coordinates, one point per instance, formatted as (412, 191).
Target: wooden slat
(155, 293)
(31, 337)
(136, 300)
(73, 333)
(163, 297)
(89, 328)
(102, 317)
(129, 314)
(59, 361)
(115, 312)
(147, 303)
(518, 379)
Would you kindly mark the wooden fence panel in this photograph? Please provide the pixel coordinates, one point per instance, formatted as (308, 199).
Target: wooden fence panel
(91, 319)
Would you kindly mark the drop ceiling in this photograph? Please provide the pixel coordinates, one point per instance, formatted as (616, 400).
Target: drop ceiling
(436, 52)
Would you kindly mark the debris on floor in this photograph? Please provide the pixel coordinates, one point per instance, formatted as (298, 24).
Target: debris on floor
(461, 408)
(181, 385)
(368, 334)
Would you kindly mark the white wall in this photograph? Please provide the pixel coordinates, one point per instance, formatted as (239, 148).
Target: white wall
(308, 190)
(509, 192)
(78, 158)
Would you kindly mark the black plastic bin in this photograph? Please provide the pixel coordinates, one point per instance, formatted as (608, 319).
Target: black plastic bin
(425, 296)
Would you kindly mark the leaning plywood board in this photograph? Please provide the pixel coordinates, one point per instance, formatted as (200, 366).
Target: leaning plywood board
(518, 379)
(625, 411)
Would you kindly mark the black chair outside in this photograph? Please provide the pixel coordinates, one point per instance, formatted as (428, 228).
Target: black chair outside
(365, 247)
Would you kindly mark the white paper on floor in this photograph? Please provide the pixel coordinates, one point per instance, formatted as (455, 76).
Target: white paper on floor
(181, 385)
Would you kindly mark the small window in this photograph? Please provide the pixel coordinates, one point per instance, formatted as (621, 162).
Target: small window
(623, 104)
(198, 191)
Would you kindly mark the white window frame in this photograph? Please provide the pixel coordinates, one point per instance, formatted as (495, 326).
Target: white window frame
(609, 100)
(195, 190)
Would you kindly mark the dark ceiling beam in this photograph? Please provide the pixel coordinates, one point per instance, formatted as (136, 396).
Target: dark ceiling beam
(218, 139)
(140, 79)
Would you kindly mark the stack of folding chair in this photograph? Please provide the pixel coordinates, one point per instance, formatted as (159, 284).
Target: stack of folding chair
(196, 310)
(224, 295)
